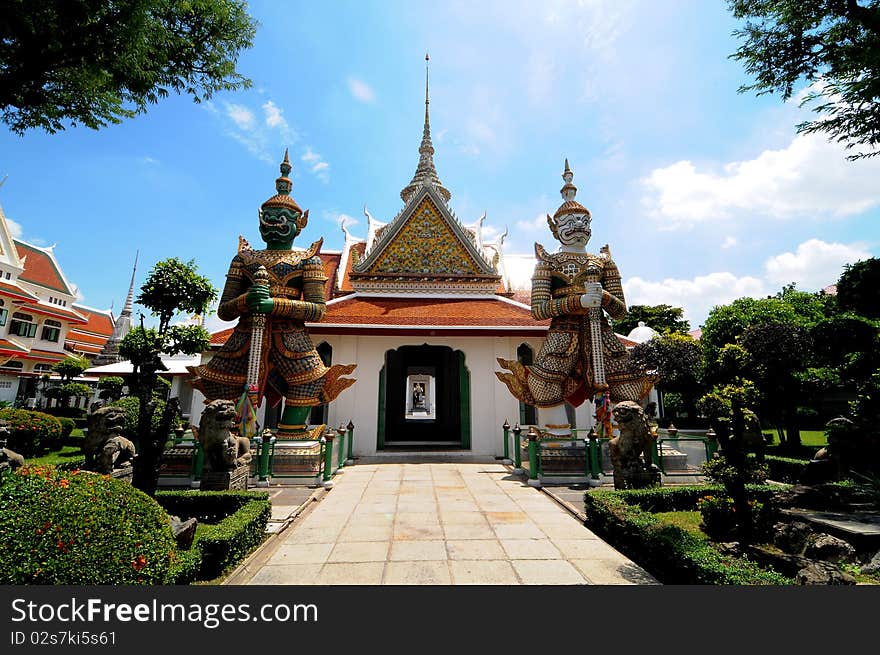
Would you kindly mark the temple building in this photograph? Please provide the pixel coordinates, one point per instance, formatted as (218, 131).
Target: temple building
(40, 321)
(424, 307)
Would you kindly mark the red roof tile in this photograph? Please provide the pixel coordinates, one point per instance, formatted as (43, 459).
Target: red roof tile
(15, 291)
(40, 269)
(83, 347)
(331, 265)
(359, 248)
(45, 355)
(57, 312)
(429, 312)
(98, 322)
(8, 347)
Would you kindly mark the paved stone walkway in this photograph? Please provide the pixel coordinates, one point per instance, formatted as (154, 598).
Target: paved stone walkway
(437, 523)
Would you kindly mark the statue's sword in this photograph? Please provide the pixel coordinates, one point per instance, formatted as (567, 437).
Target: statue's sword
(250, 399)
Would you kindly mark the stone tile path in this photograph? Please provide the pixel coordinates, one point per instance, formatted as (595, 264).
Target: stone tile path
(437, 523)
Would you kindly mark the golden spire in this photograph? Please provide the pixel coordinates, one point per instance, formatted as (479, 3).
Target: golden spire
(425, 172)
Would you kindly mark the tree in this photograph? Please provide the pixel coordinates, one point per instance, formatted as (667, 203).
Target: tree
(170, 288)
(830, 45)
(69, 368)
(677, 359)
(777, 354)
(111, 387)
(96, 62)
(858, 288)
(662, 318)
(726, 323)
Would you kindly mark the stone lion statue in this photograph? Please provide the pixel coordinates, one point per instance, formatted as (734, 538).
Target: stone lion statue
(224, 450)
(9, 460)
(105, 446)
(631, 449)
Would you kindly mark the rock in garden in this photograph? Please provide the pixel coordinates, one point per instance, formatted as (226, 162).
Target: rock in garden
(791, 537)
(823, 573)
(873, 566)
(830, 549)
(184, 532)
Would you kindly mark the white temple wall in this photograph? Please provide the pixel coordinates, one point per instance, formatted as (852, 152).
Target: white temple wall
(491, 403)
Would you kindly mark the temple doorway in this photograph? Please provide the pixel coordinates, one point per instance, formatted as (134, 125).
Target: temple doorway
(424, 398)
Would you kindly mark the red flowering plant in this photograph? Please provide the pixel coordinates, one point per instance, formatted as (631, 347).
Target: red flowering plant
(80, 528)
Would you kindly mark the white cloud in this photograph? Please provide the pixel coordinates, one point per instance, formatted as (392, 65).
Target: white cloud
(14, 228)
(537, 224)
(273, 115)
(361, 91)
(814, 265)
(242, 116)
(316, 164)
(346, 221)
(729, 242)
(150, 160)
(809, 178)
(696, 296)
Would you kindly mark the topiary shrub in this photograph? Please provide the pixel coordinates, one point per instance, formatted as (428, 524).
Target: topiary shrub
(80, 528)
(131, 405)
(31, 433)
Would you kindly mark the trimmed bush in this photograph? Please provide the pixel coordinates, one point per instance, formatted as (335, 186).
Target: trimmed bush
(80, 528)
(131, 405)
(231, 525)
(785, 469)
(668, 552)
(31, 433)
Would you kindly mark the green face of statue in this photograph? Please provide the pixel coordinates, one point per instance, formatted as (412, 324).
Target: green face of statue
(278, 228)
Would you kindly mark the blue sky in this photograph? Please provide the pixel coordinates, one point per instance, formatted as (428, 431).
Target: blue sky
(703, 194)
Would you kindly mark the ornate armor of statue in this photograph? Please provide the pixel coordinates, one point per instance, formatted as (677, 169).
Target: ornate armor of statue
(288, 366)
(580, 356)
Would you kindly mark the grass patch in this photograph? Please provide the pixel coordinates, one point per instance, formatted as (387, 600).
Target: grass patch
(813, 438)
(687, 521)
(671, 552)
(63, 456)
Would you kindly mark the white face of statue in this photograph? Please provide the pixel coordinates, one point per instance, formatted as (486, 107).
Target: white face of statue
(574, 230)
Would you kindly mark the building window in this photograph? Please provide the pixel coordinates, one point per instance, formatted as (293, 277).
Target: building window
(3, 313)
(13, 367)
(8, 275)
(51, 331)
(43, 369)
(22, 325)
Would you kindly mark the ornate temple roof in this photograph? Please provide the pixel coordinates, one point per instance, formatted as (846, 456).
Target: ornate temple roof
(40, 268)
(425, 172)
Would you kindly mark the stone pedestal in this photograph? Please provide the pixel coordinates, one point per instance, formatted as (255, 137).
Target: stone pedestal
(234, 479)
(125, 474)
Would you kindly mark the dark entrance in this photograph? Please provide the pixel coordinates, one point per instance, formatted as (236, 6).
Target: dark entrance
(424, 398)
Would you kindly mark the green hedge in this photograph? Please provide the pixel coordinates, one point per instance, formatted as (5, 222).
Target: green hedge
(785, 469)
(79, 528)
(669, 553)
(32, 433)
(682, 498)
(231, 525)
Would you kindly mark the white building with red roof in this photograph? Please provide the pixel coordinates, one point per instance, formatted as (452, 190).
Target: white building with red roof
(40, 322)
(424, 307)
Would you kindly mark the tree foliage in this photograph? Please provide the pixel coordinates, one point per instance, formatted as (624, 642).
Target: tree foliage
(96, 62)
(858, 289)
(662, 318)
(677, 359)
(171, 287)
(831, 45)
(111, 387)
(71, 367)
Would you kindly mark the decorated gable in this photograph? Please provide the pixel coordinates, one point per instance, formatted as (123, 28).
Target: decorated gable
(426, 245)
